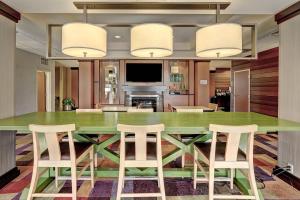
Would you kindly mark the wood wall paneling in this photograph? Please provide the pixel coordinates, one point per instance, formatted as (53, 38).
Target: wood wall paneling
(86, 97)
(191, 65)
(96, 83)
(263, 81)
(201, 90)
(75, 86)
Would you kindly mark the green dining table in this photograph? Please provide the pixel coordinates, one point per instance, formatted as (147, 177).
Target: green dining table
(175, 123)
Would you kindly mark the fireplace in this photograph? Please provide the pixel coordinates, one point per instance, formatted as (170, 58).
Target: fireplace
(145, 97)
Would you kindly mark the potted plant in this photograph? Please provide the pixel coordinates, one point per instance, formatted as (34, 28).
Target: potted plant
(68, 104)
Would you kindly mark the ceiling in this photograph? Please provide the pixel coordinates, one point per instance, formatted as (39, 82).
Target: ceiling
(66, 6)
(36, 14)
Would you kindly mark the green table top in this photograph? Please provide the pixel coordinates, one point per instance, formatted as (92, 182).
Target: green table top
(174, 122)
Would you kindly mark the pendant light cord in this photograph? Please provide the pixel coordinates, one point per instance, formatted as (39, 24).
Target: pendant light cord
(85, 14)
(218, 11)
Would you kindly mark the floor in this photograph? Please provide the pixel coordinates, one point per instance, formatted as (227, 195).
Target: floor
(176, 189)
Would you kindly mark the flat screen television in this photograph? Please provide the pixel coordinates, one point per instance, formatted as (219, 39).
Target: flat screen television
(144, 72)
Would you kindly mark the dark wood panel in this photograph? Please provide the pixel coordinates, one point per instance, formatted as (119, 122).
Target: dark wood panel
(263, 81)
(75, 86)
(265, 70)
(9, 12)
(288, 13)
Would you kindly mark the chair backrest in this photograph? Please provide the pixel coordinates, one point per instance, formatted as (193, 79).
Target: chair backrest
(191, 110)
(233, 140)
(140, 139)
(137, 110)
(51, 133)
(213, 106)
(170, 107)
(89, 110)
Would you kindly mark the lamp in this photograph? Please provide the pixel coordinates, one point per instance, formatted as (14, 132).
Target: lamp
(151, 40)
(83, 40)
(219, 40)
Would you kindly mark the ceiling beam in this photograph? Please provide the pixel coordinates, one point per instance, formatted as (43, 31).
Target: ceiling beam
(151, 5)
(288, 13)
(9, 12)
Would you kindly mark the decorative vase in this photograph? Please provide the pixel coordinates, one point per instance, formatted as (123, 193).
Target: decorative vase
(67, 107)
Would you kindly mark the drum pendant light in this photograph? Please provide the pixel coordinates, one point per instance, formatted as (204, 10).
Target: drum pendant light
(84, 40)
(151, 40)
(219, 40)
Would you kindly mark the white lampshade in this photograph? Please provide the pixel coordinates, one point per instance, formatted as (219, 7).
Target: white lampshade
(83, 40)
(219, 40)
(151, 40)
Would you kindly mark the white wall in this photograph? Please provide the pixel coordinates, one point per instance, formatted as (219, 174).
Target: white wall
(289, 91)
(27, 64)
(7, 70)
(7, 66)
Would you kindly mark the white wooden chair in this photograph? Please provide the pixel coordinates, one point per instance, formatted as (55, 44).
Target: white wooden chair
(226, 155)
(94, 136)
(130, 137)
(98, 110)
(141, 154)
(59, 154)
(138, 110)
(196, 110)
(213, 106)
(187, 137)
(170, 108)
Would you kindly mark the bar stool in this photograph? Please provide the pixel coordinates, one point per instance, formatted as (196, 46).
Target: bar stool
(187, 137)
(226, 155)
(141, 154)
(59, 154)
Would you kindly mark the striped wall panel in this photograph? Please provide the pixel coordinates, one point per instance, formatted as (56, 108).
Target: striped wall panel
(264, 81)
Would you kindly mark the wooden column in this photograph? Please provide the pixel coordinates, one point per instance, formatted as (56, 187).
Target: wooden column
(86, 83)
(202, 83)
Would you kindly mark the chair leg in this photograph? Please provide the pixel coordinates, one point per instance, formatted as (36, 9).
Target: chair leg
(195, 169)
(161, 182)
(56, 176)
(74, 182)
(183, 160)
(34, 180)
(211, 183)
(253, 181)
(96, 160)
(92, 168)
(232, 174)
(121, 181)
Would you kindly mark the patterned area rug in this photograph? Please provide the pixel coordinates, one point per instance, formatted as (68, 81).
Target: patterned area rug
(176, 188)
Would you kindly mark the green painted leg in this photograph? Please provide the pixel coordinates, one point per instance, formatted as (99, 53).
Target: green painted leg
(242, 183)
(44, 180)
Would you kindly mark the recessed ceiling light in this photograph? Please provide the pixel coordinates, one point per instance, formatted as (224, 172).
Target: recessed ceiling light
(117, 36)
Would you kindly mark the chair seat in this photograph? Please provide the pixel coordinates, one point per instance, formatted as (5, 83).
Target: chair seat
(189, 136)
(130, 151)
(148, 136)
(220, 151)
(80, 148)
